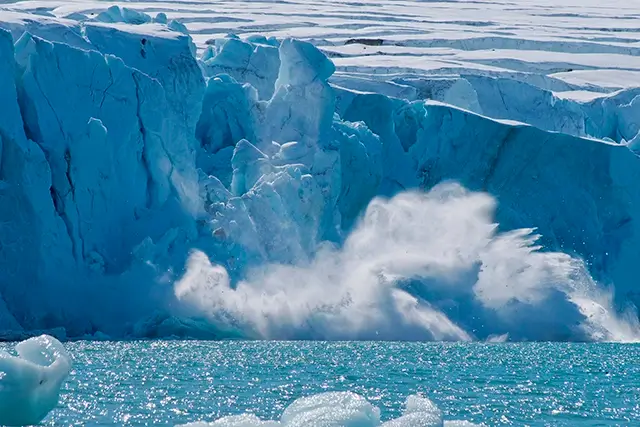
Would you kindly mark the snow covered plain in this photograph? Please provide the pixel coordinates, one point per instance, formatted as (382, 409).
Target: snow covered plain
(122, 152)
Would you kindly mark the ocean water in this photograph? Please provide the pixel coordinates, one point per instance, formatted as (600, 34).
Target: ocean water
(173, 382)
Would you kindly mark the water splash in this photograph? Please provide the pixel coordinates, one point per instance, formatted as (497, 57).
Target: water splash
(418, 266)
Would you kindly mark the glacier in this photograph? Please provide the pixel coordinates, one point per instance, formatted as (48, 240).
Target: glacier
(150, 188)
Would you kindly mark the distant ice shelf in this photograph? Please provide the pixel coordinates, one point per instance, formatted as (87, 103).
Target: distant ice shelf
(149, 191)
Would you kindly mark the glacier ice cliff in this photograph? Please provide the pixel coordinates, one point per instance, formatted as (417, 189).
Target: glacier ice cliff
(147, 192)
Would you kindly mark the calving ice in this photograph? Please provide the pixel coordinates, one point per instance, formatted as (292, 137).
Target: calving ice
(403, 272)
(252, 192)
(326, 219)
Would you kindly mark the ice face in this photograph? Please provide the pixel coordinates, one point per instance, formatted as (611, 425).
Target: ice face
(343, 409)
(122, 154)
(255, 62)
(30, 382)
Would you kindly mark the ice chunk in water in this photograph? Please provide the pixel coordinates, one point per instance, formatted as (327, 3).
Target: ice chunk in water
(335, 409)
(30, 382)
(244, 420)
(343, 409)
(419, 412)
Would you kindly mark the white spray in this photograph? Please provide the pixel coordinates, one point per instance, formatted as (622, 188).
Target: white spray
(445, 240)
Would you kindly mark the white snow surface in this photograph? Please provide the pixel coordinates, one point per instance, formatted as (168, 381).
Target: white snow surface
(160, 176)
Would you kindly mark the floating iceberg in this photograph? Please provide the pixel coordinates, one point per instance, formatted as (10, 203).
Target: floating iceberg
(122, 153)
(30, 382)
(342, 409)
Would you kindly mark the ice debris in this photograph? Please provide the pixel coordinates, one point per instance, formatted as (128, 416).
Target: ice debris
(342, 409)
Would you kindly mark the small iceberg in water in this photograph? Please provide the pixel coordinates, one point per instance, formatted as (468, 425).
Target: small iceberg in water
(30, 380)
(342, 409)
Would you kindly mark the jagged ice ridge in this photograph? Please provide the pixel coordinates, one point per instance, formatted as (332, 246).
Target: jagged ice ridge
(145, 192)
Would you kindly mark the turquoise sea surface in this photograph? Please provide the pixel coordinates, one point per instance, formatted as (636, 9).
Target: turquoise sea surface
(175, 382)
